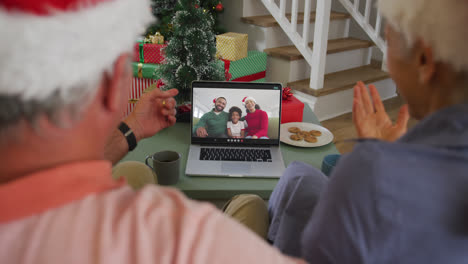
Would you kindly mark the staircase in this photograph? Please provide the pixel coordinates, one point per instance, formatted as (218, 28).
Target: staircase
(339, 39)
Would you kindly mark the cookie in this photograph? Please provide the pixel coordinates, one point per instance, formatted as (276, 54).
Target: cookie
(302, 133)
(311, 139)
(296, 137)
(315, 133)
(294, 129)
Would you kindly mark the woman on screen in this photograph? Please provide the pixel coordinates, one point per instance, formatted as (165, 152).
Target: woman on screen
(257, 119)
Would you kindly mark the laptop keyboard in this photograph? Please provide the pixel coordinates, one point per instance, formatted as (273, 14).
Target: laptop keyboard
(233, 154)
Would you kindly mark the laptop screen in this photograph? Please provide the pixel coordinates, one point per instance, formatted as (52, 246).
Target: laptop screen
(236, 113)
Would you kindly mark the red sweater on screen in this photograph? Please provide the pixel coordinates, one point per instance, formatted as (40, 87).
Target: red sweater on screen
(257, 123)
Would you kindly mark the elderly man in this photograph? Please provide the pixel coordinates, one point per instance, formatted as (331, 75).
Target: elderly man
(64, 80)
(399, 197)
(213, 123)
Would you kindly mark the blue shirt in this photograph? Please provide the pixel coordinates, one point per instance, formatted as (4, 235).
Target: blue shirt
(402, 202)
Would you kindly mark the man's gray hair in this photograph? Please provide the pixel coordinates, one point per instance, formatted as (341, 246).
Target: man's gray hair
(13, 108)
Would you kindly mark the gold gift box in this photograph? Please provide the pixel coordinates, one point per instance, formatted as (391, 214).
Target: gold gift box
(232, 46)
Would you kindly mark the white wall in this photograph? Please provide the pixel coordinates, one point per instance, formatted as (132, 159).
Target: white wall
(268, 100)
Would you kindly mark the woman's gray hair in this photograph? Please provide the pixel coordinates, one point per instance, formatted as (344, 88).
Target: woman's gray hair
(440, 24)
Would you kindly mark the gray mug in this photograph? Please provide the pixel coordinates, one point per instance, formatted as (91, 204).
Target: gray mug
(166, 165)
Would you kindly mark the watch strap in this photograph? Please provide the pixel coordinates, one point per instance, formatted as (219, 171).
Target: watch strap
(129, 136)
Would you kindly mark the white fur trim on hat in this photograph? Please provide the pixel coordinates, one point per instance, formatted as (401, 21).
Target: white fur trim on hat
(440, 24)
(248, 98)
(42, 54)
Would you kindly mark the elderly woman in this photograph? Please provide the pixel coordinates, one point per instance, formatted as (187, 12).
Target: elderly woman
(257, 119)
(399, 197)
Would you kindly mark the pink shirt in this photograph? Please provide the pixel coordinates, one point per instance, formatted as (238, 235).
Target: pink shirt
(76, 213)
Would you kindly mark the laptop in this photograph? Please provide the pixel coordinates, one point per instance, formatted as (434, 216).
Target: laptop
(243, 150)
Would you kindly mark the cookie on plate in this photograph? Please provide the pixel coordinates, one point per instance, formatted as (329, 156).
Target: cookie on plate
(315, 133)
(302, 133)
(311, 139)
(296, 137)
(294, 129)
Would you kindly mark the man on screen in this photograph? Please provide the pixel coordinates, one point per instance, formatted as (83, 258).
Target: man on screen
(213, 123)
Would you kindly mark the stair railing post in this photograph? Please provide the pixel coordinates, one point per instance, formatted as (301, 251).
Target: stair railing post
(305, 29)
(319, 50)
(294, 16)
(283, 9)
(367, 11)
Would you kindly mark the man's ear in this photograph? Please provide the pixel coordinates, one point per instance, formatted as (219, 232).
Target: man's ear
(426, 63)
(115, 85)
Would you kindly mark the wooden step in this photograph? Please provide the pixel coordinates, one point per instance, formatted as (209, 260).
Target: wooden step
(340, 81)
(334, 46)
(269, 21)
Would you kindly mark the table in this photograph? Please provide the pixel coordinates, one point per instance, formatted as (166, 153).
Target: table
(177, 138)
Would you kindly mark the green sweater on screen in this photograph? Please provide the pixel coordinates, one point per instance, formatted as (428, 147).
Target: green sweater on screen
(215, 124)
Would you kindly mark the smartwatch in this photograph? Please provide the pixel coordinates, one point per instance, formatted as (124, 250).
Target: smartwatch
(129, 136)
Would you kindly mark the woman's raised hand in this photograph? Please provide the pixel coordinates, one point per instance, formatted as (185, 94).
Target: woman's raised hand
(370, 118)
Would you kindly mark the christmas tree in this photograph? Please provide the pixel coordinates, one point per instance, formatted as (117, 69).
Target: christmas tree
(190, 54)
(164, 11)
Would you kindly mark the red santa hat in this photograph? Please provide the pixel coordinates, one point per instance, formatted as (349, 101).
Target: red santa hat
(49, 46)
(247, 98)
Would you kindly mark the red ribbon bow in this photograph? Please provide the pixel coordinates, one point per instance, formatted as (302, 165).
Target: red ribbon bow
(287, 93)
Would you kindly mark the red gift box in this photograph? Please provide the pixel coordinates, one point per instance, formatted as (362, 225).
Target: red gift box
(291, 110)
(149, 53)
(139, 85)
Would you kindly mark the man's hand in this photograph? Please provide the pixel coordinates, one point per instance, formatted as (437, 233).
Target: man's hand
(370, 118)
(153, 112)
(201, 132)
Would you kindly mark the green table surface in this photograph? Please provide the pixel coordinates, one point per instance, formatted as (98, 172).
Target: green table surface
(177, 138)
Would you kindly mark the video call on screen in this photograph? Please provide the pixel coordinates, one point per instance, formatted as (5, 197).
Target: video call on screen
(233, 120)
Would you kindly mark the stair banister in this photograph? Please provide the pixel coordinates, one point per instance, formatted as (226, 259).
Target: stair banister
(315, 57)
(319, 51)
(280, 17)
(363, 21)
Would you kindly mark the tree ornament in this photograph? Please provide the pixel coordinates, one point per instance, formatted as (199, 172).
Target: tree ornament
(219, 7)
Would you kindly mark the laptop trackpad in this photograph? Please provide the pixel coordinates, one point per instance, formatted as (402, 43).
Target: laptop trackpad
(240, 168)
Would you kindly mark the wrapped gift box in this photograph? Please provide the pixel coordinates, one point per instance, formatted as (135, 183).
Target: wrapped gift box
(249, 69)
(144, 76)
(291, 110)
(232, 46)
(148, 52)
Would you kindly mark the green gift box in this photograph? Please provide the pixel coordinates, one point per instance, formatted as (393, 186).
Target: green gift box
(249, 69)
(145, 70)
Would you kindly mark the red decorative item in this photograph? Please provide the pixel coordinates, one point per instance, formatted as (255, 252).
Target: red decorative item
(219, 7)
(151, 53)
(160, 83)
(287, 94)
(214, 101)
(139, 85)
(184, 108)
(197, 6)
(227, 75)
(292, 110)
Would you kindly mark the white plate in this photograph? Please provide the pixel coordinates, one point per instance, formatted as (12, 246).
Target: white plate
(324, 139)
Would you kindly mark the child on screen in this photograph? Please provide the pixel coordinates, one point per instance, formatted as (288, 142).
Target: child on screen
(235, 127)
